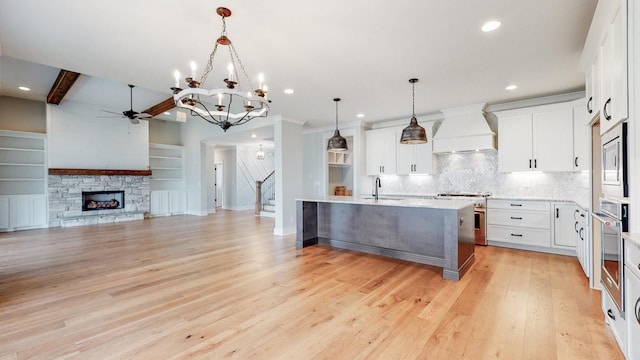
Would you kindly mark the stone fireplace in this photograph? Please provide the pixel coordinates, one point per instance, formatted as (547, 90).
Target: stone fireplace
(87, 196)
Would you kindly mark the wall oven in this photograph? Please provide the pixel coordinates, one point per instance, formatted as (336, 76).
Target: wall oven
(613, 216)
(614, 162)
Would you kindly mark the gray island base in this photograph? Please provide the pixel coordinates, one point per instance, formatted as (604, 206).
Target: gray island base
(436, 232)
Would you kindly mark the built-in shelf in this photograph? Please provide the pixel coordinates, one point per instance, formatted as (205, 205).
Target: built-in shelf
(22, 163)
(167, 164)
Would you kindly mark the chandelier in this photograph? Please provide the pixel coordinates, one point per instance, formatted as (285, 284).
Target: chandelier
(228, 105)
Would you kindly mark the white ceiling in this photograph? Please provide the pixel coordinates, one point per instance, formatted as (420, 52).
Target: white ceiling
(363, 51)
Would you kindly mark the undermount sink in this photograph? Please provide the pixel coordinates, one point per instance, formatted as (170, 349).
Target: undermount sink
(381, 198)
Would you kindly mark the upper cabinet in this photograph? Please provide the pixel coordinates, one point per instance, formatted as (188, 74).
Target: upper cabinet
(536, 139)
(386, 156)
(604, 62)
(581, 139)
(413, 159)
(381, 151)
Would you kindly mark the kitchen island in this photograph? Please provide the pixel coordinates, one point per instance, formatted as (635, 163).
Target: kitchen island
(438, 232)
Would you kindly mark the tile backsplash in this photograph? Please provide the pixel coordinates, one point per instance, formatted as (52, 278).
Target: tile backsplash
(478, 172)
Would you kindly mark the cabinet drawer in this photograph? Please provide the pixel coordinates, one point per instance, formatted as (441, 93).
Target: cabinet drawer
(612, 316)
(534, 237)
(538, 220)
(632, 257)
(519, 205)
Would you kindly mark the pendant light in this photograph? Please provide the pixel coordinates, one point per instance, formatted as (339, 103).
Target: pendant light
(337, 142)
(414, 133)
(260, 153)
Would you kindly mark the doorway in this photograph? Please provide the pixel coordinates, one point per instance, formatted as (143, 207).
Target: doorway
(218, 185)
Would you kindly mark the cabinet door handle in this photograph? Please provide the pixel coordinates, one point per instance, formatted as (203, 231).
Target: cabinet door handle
(516, 204)
(517, 235)
(637, 310)
(575, 227)
(610, 314)
(607, 116)
(581, 233)
(535, 163)
(589, 109)
(575, 162)
(529, 163)
(557, 213)
(516, 218)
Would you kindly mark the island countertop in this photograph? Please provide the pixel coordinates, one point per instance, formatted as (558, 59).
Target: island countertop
(437, 203)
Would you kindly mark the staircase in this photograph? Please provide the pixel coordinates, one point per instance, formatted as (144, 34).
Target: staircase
(269, 208)
(266, 196)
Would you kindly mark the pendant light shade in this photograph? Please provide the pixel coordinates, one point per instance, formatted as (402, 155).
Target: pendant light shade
(414, 133)
(337, 142)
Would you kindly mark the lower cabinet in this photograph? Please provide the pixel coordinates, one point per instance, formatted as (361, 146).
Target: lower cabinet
(519, 223)
(168, 202)
(564, 226)
(632, 298)
(23, 212)
(614, 318)
(583, 242)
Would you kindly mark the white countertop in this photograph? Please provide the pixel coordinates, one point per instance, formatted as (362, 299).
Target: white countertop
(403, 202)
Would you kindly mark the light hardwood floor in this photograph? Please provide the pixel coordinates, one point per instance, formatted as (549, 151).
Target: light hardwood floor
(223, 286)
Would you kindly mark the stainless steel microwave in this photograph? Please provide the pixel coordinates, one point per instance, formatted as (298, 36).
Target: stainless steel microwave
(614, 162)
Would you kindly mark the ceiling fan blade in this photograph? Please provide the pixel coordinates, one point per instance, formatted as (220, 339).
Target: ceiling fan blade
(110, 117)
(112, 112)
(134, 121)
(144, 116)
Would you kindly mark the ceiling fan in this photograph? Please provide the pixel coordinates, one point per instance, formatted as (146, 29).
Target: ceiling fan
(133, 116)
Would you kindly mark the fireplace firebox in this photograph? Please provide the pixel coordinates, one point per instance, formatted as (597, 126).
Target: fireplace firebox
(102, 200)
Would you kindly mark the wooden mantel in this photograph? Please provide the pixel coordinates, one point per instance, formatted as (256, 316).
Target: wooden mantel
(60, 171)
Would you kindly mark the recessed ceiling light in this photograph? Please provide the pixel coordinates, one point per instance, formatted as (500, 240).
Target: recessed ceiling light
(167, 113)
(511, 87)
(288, 91)
(360, 115)
(24, 88)
(253, 136)
(491, 25)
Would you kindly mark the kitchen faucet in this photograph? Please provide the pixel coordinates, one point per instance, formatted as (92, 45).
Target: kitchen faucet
(377, 184)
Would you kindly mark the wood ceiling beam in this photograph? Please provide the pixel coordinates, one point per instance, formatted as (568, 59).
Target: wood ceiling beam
(161, 107)
(61, 86)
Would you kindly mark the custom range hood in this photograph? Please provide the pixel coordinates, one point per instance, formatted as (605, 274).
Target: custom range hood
(464, 129)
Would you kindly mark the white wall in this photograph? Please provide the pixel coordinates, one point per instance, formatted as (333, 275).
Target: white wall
(77, 138)
(288, 166)
(22, 115)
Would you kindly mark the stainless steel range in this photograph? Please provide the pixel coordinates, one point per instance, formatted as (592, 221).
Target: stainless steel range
(480, 204)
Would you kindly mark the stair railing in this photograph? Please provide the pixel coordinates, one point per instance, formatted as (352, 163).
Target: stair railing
(265, 191)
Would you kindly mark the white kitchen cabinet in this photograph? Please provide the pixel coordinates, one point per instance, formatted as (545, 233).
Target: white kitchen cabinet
(632, 298)
(613, 317)
(520, 224)
(592, 90)
(581, 140)
(613, 52)
(536, 139)
(381, 151)
(605, 63)
(415, 158)
(167, 202)
(564, 226)
(583, 240)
